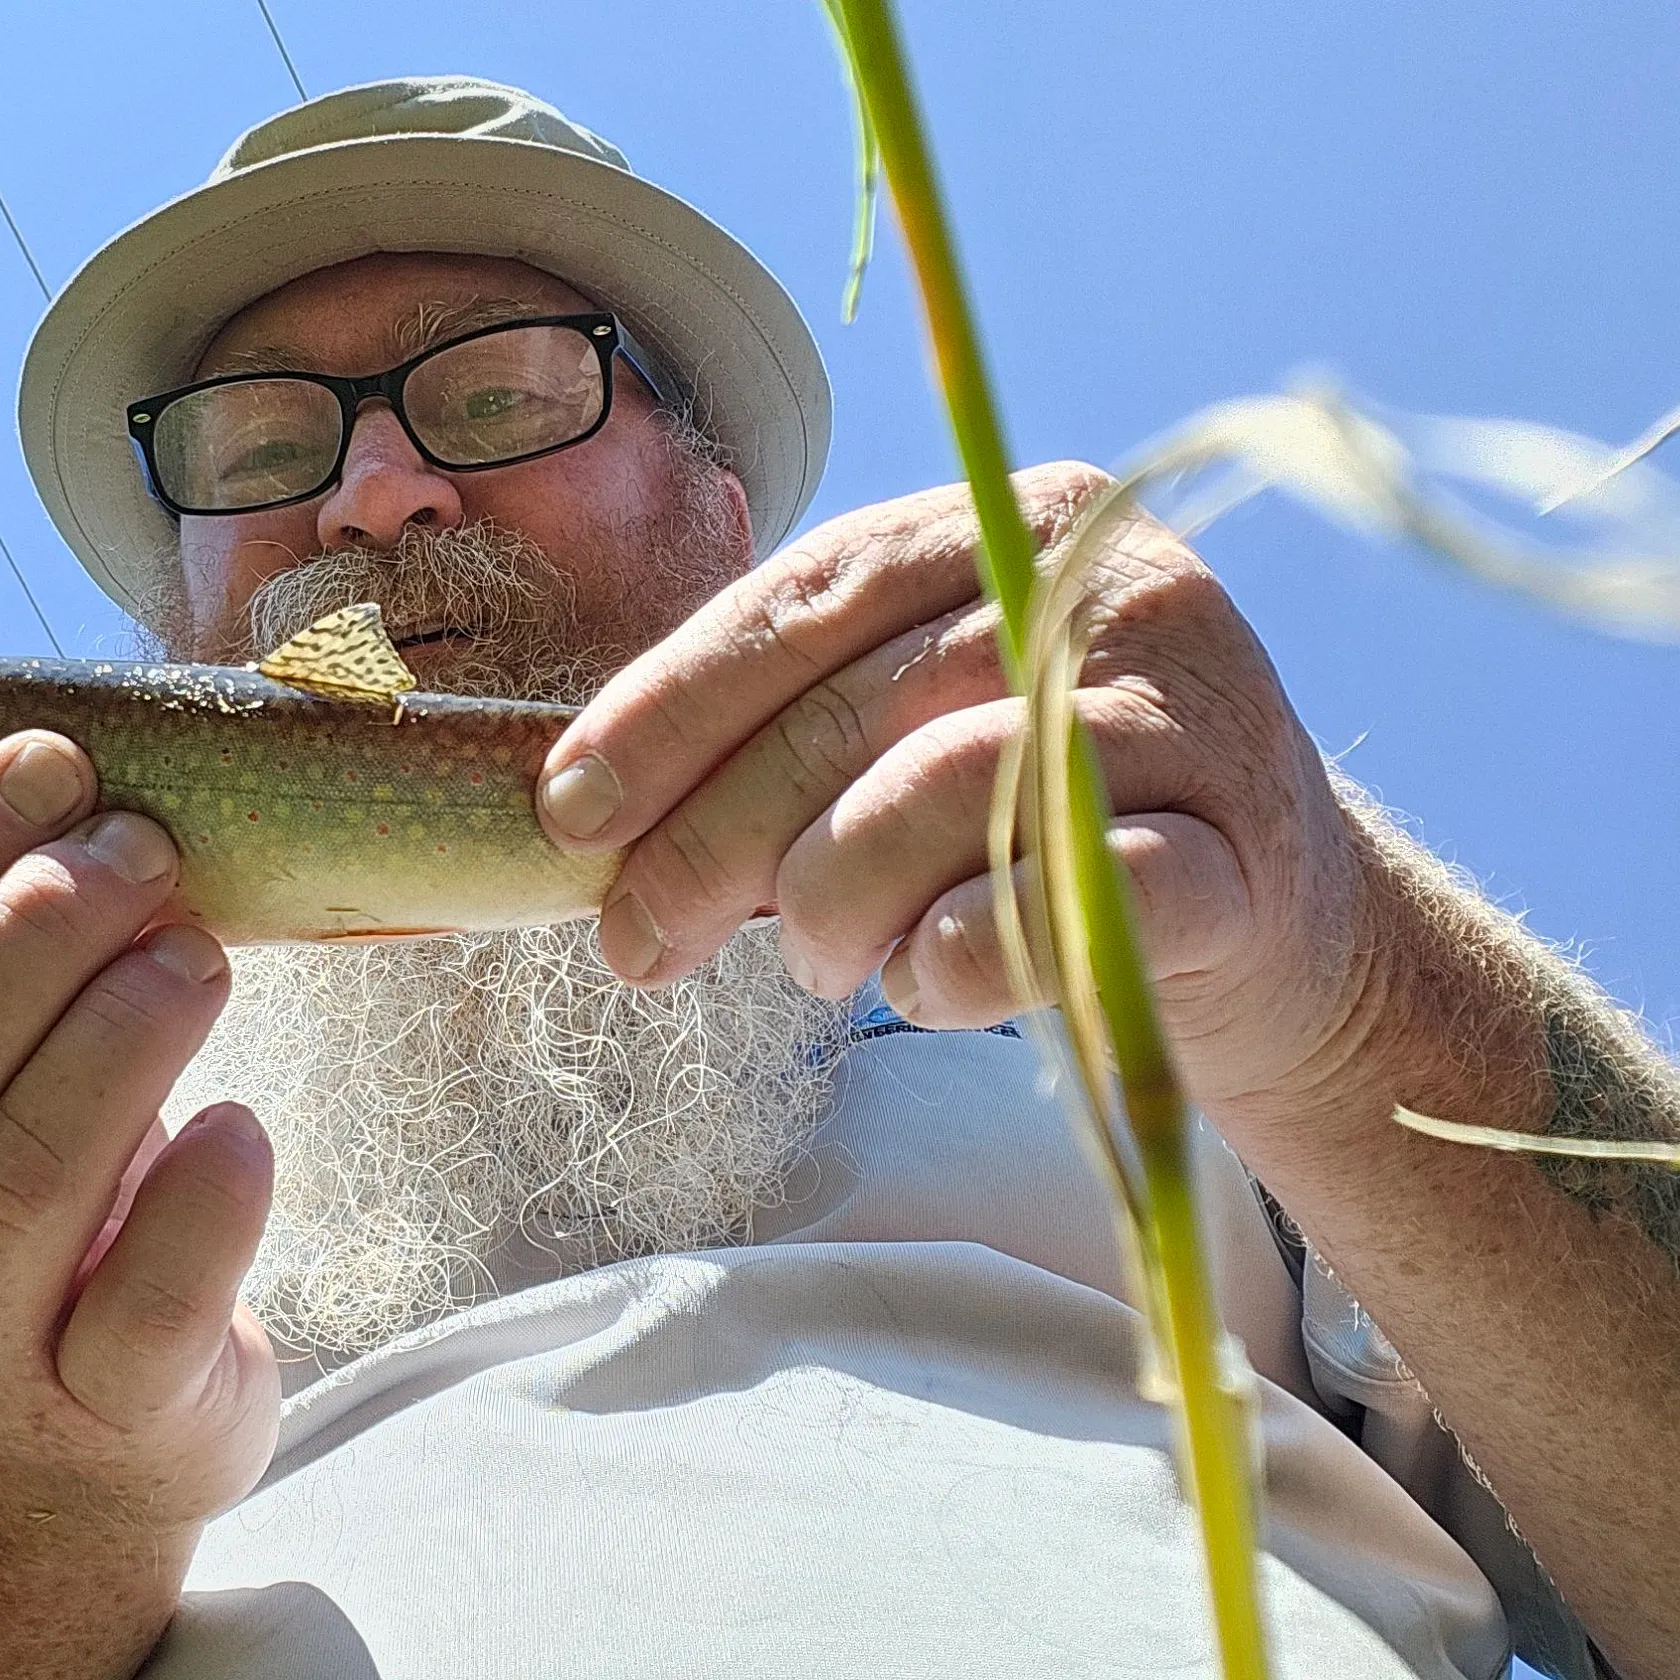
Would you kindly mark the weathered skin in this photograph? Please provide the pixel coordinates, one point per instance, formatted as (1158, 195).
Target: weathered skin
(300, 818)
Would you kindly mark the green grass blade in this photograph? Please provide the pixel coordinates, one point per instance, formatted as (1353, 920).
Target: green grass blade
(869, 35)
(1081, 889)
(868, 174)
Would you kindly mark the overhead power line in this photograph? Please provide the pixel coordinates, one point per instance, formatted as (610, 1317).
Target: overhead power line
(29, 596)
(273, 29)
(28, 255)
(46, 292)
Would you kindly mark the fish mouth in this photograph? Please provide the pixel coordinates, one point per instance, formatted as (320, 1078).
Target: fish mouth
(437, 635)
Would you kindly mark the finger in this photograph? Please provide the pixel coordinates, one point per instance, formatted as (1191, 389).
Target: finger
(46, 783)
(73, 1117)
(1188, 892)
(154, 1316)
(66, 910)
(914, 825)
(683, 707)
(709, 864)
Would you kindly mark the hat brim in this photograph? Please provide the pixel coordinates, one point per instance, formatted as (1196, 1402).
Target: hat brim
(138, 315)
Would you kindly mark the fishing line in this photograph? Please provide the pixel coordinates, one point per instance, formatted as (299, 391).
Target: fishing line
(291, 69)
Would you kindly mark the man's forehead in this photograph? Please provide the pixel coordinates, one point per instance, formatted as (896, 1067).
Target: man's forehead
(372, 312)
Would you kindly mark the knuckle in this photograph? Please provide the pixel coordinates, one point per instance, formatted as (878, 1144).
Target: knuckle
(127, 1002)
(41, 901)
(796, 595)
(946, 764)
(683, 862)
(153, 1313)
(1194, 592)
(815, 918)
(1126, 710)
(676, 713)
(823, 737)
(33, 1174)
(1055, 493)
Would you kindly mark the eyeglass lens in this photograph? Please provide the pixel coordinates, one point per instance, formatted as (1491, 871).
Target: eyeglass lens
(494, 398)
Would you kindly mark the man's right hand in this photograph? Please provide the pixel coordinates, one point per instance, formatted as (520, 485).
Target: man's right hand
(137, 1398)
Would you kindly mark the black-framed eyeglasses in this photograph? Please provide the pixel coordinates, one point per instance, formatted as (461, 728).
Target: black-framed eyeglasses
(244, 442)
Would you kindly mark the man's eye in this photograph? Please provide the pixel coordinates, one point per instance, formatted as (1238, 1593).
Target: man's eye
(492, 403)
(265, 457)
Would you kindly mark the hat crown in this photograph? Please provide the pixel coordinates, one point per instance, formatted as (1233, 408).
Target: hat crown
(458, 105)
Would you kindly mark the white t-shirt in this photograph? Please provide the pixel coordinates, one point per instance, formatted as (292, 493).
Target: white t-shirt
(898, 1435)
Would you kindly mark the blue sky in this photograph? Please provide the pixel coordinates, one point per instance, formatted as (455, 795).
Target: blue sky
(1458, 209)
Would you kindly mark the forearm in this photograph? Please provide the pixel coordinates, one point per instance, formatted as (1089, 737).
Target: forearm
(86, 1602)
(1539, 1307)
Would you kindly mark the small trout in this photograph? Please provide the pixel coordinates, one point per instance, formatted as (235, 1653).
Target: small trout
(300, 817)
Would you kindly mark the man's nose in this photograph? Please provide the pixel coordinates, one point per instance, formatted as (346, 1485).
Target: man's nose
(386, 486)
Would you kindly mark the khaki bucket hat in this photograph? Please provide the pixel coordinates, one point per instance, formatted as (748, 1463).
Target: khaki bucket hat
(445, 163)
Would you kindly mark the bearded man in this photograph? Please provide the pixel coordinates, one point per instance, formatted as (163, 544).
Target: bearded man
(718, 1291)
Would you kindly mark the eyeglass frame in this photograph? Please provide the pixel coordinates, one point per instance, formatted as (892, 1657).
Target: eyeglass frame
(603, 330)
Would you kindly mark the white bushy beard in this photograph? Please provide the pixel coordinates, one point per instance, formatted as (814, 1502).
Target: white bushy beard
(436, 1104)
(431, 1099)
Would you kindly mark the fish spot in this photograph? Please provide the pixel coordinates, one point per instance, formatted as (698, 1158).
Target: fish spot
(227, 755)
(382, 829)
(252, 816)
(314, 804)
(476, 778)
(441, 850)
(350, 776)
(282, 764)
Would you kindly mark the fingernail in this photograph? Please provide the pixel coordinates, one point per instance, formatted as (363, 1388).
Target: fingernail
(800, 968)
(136, 849)
(41, 785)
(583, 798)
(899, 988)
(233, 1120)
(188, 952)
(631, 933)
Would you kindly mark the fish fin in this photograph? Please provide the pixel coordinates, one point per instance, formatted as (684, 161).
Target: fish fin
(344, 656)
(368, 936)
